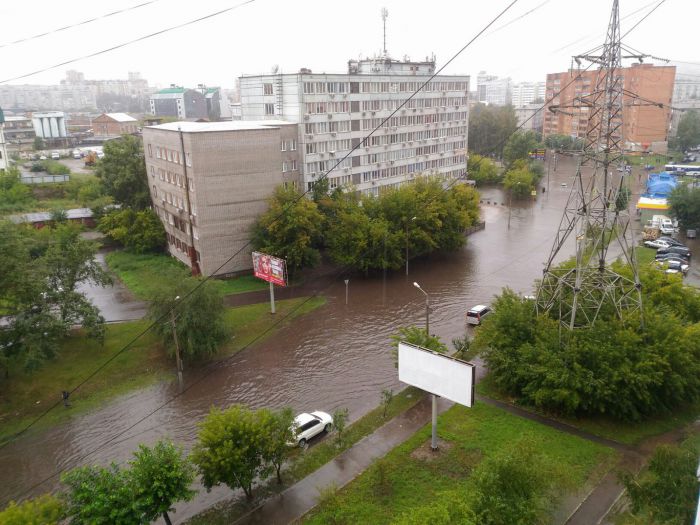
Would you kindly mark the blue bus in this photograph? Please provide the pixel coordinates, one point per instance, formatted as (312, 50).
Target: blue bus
(682, 168)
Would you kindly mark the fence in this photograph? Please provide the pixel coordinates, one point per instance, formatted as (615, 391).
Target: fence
(477, 227)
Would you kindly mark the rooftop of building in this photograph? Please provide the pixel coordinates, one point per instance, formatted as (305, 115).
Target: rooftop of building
(170, 90)
(227, 125)
(120, 117)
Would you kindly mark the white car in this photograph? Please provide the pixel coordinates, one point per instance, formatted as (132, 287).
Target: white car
(657, 243)
(307, 426)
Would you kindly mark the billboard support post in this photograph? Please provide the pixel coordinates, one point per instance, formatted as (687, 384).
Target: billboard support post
(272, 297)
(433, 440)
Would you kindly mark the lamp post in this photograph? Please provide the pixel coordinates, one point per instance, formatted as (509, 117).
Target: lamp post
(412, 219)
(433, 439)
(178, 361)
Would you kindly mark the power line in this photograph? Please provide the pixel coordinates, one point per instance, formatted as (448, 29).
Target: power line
(642, 19)
(77, 24)
(277, 218)
(325, 175)
(124, 44)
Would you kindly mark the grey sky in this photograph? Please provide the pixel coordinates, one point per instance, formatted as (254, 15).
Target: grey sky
(323, 34)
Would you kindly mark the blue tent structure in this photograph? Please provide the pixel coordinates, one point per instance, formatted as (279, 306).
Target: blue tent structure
(661, 184)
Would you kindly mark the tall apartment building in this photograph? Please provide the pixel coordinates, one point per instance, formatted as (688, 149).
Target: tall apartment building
(334, 112)
(686, 95)
(645, 127)
(28, 97)
(525, 93)
(209, 181)
(493, 90)
(179, 102)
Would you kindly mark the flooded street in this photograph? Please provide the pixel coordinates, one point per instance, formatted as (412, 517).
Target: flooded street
(338, 356)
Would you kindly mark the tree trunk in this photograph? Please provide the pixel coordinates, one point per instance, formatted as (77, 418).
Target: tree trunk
(167, 518)
(248, 489)
(279, 475)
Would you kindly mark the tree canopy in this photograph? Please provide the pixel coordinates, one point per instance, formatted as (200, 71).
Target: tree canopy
(490, 127)
(122, 172)
(684, 202)
(519, 146)
(138, 231)
(688, 133)
(483, 170)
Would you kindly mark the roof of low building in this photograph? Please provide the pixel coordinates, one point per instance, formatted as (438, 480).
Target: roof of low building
(121, 117)
(171, 90)
(227, 125)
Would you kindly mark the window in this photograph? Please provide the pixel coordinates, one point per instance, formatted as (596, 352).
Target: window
(155, 192)
(284, 145)
(269, 109)
(150, 151)
(158, 153)
(294, 165)
(188, 159)
(153, 171)
(267, 88)
(293, 145)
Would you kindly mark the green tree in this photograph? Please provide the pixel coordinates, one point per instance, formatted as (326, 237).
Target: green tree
(39, 144)
(13, 194)
(417, 336)
(490, 127)
(42, 510)
(684, 202)
(199, 317)
(483, 170)
(511, 488)
(278, 435)
(122, 172)
(665, 492)
(290, 229)
(519, 182)
(688, 134)
(102, 496)
(340, 421)
(519, 146)
(386, 398)
(231, 448)
(161, 477)
(138, 231)
(559, 141)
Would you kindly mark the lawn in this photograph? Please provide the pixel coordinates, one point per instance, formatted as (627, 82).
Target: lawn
(26, 395)
(630, 433)
(409, 478)
(304, 462)
(142, 273)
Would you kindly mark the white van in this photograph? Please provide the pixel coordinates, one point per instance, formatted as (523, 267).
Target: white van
(477, 313)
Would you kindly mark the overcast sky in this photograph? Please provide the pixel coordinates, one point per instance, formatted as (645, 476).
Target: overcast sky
(323, 34)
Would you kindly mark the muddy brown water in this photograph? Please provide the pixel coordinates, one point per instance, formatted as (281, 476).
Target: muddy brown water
(337, 356)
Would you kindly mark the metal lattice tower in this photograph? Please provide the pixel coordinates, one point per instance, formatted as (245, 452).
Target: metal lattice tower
(578, 294)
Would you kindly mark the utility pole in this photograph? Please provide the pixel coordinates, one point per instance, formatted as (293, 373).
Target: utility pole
(178, 361)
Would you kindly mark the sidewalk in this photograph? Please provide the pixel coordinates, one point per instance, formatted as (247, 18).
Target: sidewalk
(299, 499)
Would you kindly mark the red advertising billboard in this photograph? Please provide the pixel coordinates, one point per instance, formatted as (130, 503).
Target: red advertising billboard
(269, 268)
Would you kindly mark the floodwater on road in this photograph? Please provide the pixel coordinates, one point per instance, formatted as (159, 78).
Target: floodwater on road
(337, 356)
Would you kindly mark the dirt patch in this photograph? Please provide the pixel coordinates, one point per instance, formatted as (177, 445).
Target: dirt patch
(425, 453)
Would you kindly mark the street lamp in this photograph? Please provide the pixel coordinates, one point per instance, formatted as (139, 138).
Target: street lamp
(412, 219)
(433, 440)
(427, 309)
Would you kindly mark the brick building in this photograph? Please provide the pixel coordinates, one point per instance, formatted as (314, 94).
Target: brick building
(645, 127)
(209, 181)
(114, 124)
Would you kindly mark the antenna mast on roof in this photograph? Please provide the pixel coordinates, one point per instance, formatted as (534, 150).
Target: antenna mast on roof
(385, 15)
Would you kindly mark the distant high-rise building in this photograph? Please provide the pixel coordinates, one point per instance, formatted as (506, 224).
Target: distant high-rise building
(645, 126)
(525, 93)
(335, 112)
(493, 90)
(184, 103)
(686, 95)
(4, 161)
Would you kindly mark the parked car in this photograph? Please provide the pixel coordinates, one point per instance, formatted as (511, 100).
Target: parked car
(77, 154)
(55, 155)
(307, 426)
(682, 250)
(42, 157)
(667, 256)
(477, 313)
(671, 241)
(674, 266)
(658, 243)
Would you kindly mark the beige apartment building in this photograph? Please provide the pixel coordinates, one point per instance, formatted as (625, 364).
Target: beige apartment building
(645, 127)
(209, 181)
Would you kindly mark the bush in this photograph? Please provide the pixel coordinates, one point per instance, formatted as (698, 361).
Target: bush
(44, 510)
(611, 368)
(483, 170)
(138, 231)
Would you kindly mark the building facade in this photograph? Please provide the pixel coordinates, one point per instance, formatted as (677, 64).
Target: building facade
(493, 90)
(645, 127)
(50, 125)
(19, 130)
(530, 117)
(209, 182)
(179, 102)
(114, 124)
(335, 112)
(526, 93)
(4, 159)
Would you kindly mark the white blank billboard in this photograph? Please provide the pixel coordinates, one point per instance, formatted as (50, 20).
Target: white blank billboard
(437, 373)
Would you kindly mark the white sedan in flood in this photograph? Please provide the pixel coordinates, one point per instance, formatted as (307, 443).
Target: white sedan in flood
(307, 426)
